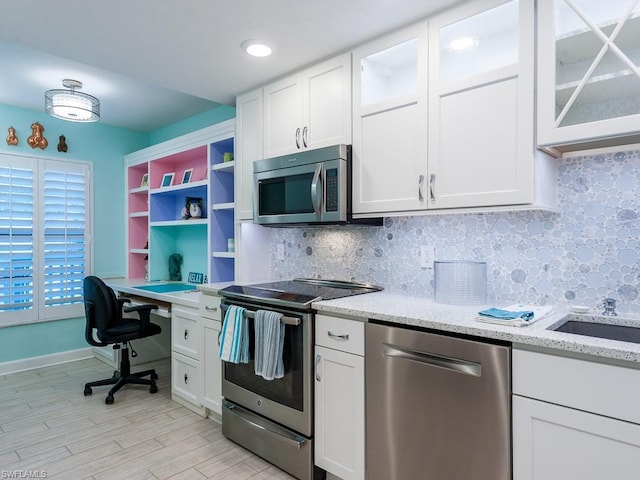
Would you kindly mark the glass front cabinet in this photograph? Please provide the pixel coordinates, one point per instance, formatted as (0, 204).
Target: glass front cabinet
(588, 74)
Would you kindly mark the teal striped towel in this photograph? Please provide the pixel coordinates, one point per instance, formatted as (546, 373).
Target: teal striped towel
(234, 338)
(269, 331)
(501, 314)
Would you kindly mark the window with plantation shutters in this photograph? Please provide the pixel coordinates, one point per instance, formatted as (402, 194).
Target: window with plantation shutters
(45, 240)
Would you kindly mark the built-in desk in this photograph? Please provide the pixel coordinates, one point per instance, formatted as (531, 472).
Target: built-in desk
(188, 338)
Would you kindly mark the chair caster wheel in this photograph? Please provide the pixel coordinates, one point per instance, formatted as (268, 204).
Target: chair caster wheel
(87, 391)
(109, 399)
(153, 388)
(154, 376)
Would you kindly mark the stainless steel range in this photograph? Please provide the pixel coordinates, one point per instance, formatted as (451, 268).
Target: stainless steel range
(274, 418)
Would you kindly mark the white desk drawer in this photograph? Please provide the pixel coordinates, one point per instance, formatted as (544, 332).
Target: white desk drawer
(210, 306)
(186, 378)
(340, 334)
(186, 336)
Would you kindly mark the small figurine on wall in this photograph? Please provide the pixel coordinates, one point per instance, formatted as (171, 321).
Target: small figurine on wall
(37, 138)
(12, 138)
(62, 144)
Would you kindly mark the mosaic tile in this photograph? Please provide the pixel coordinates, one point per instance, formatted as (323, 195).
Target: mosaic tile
(589, 250)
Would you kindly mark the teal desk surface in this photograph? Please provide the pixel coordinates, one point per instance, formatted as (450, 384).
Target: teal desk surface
(167, 287)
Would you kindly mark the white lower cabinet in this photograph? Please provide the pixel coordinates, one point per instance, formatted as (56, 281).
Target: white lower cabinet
(339, 397)
(212, 394)
(552, 442)
(574, 418)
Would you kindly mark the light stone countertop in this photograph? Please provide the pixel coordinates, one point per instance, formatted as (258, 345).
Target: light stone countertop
(425, 313)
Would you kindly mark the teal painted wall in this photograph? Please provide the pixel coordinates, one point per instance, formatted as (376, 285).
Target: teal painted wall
(105, 146)
(191, 124)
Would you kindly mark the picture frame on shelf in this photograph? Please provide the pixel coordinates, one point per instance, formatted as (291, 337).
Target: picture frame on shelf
(186, 176)
(145, 180)
(167, 179)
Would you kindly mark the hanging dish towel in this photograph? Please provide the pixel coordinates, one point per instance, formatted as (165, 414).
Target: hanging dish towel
(269, 344)
(517, 315)
(234, 338)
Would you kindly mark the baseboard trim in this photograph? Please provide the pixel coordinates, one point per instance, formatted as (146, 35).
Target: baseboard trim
(23, 364)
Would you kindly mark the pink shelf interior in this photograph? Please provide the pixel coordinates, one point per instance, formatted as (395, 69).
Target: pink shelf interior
(138, 202)
(135, 174)
(138, 232)
(195, 158)
(136, 265)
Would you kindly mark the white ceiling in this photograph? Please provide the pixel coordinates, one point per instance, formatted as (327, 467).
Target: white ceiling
(155, 62)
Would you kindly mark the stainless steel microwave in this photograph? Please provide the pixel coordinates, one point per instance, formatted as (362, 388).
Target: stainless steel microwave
(309, 188)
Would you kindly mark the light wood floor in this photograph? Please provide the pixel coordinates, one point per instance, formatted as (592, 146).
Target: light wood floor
(48, 428)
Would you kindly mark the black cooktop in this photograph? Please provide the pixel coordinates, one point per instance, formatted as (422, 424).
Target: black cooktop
(299, 292)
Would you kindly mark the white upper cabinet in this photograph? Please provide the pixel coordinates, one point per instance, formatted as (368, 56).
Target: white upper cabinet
(390, 123)
(249, 142)
(481, 109)
(588, 73)
(310, 109)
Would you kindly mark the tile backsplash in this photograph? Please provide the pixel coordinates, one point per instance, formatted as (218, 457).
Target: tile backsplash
(587, 251)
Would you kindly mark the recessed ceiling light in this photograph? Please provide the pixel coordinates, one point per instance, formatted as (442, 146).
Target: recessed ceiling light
(256, 48)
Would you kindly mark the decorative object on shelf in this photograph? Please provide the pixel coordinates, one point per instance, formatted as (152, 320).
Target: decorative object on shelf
(12, 138)
(62, 144)
(167, 179)
(175, 260)
(70, 104)
(194, 205)
(186, 176)
(145, 180)
(37, 138)
(227, 157)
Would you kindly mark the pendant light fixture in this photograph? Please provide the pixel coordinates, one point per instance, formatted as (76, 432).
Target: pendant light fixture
(70, 104)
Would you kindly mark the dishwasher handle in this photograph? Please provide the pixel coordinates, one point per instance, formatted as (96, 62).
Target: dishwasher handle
(448, 363)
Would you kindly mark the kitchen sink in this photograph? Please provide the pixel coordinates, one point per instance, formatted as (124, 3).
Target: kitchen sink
(600, 327)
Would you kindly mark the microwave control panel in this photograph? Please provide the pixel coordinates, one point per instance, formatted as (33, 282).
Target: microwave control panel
(331, 190)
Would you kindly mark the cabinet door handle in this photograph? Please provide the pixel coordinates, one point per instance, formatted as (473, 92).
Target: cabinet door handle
(298, 137)
(318, 373)
(210, 309)
(186, 334)
(420, 187)
(304, 137)
(186, 378)
(339, 336)
(219, 333)
(432, 186)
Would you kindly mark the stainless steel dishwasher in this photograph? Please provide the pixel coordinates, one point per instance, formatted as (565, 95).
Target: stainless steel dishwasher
(438, 407)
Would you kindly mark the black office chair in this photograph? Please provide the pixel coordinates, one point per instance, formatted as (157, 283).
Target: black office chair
(103, 311)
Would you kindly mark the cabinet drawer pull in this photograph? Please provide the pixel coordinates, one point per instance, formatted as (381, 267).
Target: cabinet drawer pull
(186, 334)
(304, 137)
(219, 334)
(420, 187)
(318, 373)
(432, 186)
(298, 137)
(186, 378)
(210, 309)
(339, 336)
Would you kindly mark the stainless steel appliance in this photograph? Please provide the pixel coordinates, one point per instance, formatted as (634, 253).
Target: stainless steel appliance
(274, 419)
(311, 188)
(436, 406)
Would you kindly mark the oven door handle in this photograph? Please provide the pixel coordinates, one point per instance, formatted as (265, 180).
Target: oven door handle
(281, 434)
(295, 321)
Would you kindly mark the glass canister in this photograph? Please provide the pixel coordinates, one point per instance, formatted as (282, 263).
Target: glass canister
(460, 282)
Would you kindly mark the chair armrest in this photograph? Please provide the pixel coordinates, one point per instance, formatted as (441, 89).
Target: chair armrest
(144, 312)
(122, 301)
